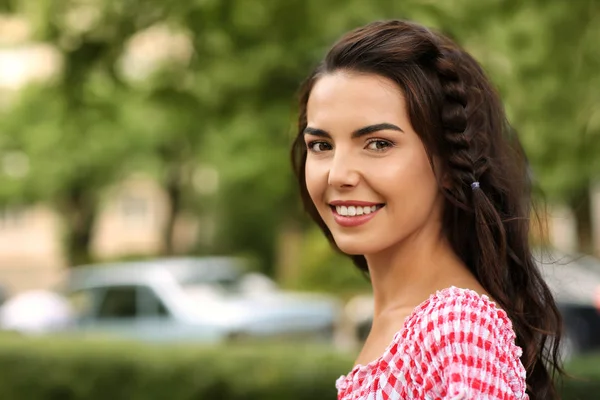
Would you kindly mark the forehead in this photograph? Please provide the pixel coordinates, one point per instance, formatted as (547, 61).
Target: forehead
(363, 98)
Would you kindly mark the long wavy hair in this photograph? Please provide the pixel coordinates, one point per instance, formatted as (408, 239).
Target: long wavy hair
(460, 119)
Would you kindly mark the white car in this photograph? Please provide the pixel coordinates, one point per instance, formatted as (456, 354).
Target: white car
(206, 299)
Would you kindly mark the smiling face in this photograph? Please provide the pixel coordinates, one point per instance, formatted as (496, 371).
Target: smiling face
(367, 171)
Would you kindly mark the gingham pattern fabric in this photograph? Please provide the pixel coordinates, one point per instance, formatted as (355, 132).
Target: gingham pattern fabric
(457, 345)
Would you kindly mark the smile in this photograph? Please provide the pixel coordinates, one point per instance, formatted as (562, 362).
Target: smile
(351, 211)
(354, 215)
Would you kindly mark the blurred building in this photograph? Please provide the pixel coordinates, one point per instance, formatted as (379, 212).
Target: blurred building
(30, 249)
(131, 223)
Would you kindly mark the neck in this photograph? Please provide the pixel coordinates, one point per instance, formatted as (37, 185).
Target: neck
(407, 274)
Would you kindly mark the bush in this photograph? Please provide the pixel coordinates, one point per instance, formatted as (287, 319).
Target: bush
(62, 369)
(71, 370)
(583, 382)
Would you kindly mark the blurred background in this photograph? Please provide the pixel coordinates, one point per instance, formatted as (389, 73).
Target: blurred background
(152, 243)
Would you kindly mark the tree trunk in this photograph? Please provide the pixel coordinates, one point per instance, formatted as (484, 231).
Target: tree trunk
(79, 215)
(173, 187)
(581, 206)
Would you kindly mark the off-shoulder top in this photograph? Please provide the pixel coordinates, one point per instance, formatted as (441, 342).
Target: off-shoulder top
(456, 345)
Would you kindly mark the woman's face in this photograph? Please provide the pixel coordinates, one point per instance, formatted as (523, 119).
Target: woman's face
(367, 171)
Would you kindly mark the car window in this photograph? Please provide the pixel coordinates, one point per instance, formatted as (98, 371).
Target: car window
(119, 302)
(150, 304)
(131, 302)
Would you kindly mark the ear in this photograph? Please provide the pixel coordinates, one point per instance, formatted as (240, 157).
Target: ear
(446, 180)
(441, 173)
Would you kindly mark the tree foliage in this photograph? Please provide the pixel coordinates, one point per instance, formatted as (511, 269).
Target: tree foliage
(225, 97)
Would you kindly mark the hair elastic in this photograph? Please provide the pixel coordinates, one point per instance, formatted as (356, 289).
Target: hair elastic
(475, 185)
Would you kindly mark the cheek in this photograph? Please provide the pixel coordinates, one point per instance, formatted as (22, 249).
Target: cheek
(409, 182)
(316, 180)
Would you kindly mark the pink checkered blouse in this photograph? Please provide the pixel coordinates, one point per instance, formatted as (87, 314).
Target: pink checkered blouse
(457, 345)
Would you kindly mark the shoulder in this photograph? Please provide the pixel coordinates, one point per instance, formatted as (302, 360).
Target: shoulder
(454, 311)
(469, 344)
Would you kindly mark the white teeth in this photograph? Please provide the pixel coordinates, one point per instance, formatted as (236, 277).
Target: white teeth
(351, 211)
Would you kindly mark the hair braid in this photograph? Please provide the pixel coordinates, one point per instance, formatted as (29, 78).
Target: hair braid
(458, 133)
(467, 162)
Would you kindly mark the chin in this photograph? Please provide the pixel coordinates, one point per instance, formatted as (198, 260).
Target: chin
(356, 247)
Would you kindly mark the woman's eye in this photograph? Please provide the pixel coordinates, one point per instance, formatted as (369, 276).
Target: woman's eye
(318, 146)
(379, 144)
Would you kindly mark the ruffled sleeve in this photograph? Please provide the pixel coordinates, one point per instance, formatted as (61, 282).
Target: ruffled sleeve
(470, 347)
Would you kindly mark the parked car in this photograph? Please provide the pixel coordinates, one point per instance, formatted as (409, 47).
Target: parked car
(575, 283)
(206, 299)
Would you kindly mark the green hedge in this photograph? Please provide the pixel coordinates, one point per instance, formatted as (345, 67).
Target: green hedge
(583, 382)
(59, 369)
(89, 370)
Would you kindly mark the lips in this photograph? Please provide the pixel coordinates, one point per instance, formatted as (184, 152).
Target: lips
(354, 207)
(354, 213)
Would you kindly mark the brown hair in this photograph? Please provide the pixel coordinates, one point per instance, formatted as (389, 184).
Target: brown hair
(461, 121)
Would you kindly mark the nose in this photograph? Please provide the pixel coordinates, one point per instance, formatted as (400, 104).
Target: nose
(342, 173)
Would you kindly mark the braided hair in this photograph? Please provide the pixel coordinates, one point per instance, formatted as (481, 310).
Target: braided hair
(483, 173)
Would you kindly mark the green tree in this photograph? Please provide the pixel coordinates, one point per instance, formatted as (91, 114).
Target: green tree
(71, 128)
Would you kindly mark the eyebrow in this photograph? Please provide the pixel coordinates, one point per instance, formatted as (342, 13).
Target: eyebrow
(357, 133)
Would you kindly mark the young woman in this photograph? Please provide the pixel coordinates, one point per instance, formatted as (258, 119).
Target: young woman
(406, 161)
